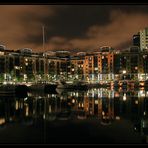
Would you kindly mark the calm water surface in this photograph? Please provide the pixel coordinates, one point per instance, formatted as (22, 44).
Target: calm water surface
(97, 116)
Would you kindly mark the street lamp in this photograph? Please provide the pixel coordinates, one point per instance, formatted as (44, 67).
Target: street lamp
(124, 71)
(124, 97)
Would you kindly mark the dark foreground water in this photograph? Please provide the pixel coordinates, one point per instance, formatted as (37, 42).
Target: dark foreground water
(97, 116)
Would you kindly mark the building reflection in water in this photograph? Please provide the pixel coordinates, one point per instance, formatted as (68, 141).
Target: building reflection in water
(107, 106)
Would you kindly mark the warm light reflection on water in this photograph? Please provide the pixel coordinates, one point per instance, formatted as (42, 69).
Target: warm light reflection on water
(105, 106)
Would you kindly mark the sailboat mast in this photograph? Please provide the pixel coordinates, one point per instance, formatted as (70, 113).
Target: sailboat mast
(43, 30)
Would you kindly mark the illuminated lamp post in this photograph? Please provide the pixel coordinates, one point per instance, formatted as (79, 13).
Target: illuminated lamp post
(144, 59)
(124, 72)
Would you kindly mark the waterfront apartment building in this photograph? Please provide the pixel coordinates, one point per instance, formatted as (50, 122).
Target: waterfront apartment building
(127, 64)
(107, 64)
(98, 66)
(141, 39)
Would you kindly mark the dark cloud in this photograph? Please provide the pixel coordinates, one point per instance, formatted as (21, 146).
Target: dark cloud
(73, 21)
(77, 24)
(84, 27)
(124, 45)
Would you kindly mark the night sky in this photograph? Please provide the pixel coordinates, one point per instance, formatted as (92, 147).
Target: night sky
(70, 27)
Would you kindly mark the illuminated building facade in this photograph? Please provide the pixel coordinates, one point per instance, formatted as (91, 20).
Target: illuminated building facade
(136, 40)
(98, 66)
(141, 39)
(106, 65)
(144, 39)
(89, 67)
